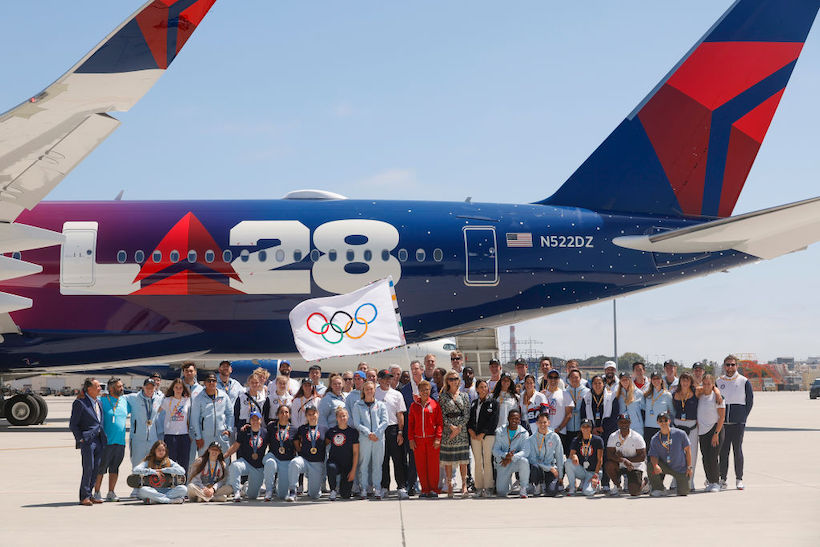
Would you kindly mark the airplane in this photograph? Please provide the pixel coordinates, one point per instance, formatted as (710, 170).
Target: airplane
(89, 285)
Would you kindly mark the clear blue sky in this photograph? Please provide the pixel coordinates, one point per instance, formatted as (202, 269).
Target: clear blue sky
(437, 100)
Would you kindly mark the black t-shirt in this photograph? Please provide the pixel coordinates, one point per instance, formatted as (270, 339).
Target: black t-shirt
(313, 444)
(251, 443)
(341, 445)
(282, 449)
(587, 451)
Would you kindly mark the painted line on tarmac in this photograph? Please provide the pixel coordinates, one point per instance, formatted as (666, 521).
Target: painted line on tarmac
(36, 447)
(401, 520)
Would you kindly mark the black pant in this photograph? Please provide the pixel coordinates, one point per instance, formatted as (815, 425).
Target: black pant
(91, 453)
(539, 476)
(709, 454)
(566, 440)
(334, 471)
(392, 451)
(412, 476)
(733, 440)
(179, 449)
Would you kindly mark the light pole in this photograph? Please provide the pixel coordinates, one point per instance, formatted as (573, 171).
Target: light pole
(615, 330)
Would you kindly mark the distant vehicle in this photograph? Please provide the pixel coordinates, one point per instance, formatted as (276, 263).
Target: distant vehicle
(814, 390)
(769, 385)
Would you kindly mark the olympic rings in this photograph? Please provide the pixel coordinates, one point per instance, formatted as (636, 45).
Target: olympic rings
(331, 325)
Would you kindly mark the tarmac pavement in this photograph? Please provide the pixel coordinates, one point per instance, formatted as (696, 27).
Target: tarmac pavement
(781, 503)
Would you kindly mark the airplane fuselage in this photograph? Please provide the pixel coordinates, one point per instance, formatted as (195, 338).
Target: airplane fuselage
(139, 280)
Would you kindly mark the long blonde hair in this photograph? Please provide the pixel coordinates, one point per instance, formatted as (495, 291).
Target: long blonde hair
(629, 397)
(450, 374)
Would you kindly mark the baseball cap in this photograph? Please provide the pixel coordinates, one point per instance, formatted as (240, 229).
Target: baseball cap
(669, 363)
(586, 421)
(553, 374)
(697, 365)
(664, 416)
(624, 417)
(610, 364)
(494, 362)
(360, 374)
(210, 376)
(256, 414)
(148, 381)
(521, 361)
(384, 373)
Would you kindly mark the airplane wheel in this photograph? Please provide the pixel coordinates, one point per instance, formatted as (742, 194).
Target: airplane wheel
(22, 410)
(41, 416)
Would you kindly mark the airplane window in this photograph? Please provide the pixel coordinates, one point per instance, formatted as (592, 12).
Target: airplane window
(280, 255)
(350, 255)
(122, 256)
(368, 255)
(385, 255)
(263, 256)
(297, 256)
(174, 256)
(314, 255)
(227, 255)
(209, 256)
(245, 255)
(156, 256)
(402, 255)
(332, 255)
(139, 257)
(449, 347)
(191, 256)
(420, 255)
(438, 255)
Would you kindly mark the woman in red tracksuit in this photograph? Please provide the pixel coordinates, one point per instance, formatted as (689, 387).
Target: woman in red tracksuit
(424, 434)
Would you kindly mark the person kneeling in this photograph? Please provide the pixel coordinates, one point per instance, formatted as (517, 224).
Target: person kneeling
(546, 458)
(310, 461)
(208, 480)
(510, 452)
(626, 455)
(342, 457)
(160, 477)
(669, 452)
(586, 455)
(250, 445)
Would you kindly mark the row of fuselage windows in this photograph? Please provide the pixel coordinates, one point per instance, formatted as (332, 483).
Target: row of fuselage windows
(279, 256)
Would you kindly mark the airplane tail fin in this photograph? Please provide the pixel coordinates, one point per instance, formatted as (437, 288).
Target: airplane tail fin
(688, 147)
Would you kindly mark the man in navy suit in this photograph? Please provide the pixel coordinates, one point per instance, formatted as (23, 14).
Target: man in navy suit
(86, 425)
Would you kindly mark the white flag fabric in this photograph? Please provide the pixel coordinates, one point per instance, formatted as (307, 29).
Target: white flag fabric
(363, 321)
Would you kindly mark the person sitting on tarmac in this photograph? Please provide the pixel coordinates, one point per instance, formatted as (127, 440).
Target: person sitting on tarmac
(208, 480)
(250, 446)
(158, 464)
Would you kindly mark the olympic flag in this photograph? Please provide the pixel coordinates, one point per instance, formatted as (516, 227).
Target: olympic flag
(363, 321)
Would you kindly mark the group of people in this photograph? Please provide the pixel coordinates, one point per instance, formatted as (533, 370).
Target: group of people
(556, 434)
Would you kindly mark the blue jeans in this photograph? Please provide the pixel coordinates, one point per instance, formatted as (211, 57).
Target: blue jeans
(315, 474)
(503, 480)
(575, 472)
(371, 457)
(272, 467)
(241, 468)
(162, 495)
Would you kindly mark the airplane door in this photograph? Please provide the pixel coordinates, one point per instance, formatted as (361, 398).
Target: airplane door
(480, 255)
(78, 253)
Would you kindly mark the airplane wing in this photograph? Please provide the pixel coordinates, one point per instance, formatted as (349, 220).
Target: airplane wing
(766, 234)
(44, 138)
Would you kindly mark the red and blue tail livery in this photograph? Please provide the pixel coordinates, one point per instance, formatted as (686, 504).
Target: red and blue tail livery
(688, 147)
(90, 285)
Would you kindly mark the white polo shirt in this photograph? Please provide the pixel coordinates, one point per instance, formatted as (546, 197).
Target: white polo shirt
(394, 401)
(628, 447)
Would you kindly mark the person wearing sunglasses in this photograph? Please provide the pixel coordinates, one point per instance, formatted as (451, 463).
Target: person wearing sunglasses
(738, 396)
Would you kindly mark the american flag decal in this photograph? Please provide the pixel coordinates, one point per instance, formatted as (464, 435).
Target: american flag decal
(519, 239)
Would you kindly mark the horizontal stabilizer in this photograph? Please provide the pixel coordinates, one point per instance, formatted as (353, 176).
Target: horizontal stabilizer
(766, 234)
(12, 269)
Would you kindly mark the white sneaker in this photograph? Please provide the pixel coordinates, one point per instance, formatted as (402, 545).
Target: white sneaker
(135, 493)
(515, 485)
(614, 492)
(96, 496)
(291, 497)
(178, 500)
(739, 484)
(237, 497)
(723, 485)
(403, 494)
(523, 494)
(378, 493)
(112, 497)
(332, 496)
(713, 487)
(657, 493)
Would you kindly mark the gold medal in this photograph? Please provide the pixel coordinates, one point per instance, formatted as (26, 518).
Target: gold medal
(313, 450)
(281, 449)
(148, 423)
(255, 456)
